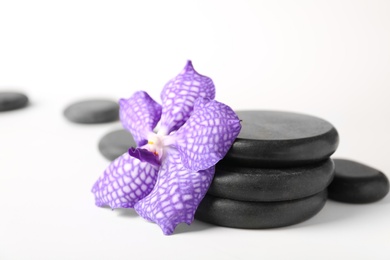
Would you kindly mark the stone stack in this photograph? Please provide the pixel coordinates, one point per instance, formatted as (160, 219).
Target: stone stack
(275, 174)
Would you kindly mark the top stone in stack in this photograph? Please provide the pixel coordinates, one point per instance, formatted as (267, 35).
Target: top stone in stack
(281, 139)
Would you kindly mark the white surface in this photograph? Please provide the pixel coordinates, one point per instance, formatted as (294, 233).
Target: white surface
(330, 59)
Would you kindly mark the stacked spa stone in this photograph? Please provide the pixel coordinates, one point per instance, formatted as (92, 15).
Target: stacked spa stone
(275, 174)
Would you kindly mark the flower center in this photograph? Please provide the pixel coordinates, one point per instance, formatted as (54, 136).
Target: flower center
(153, 151)
(157, 143)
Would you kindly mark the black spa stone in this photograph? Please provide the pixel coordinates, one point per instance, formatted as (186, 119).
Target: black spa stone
(258, 215)
(270, 184)
(357, 183)
(281, 139)
(116, 143)
(12, 100)
(92, 111)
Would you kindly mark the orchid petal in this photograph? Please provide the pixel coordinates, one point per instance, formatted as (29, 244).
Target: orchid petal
(179, 95)
(177, 194)
(139, 114)
(207, 135)
(125, 181)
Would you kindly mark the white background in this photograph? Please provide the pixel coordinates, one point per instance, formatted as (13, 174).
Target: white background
(330, 59)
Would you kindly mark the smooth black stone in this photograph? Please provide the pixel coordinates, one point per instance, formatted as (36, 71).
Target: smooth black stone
(258, 215)
(12, 100)
(116, 143)
(92, 111)
(269, 184)
(357, 183)
(281, 139)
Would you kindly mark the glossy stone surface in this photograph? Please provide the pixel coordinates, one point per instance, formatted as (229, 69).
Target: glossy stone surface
(357, 183)
(12, 100)
(92, 111)
(115, 143)
(258, 215)
(281, 139)
(268, 184)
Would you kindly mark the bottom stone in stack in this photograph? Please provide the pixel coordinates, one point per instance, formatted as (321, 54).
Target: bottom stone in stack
(259, 215)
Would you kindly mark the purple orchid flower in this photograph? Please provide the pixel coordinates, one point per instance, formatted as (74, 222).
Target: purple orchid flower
(165, 178)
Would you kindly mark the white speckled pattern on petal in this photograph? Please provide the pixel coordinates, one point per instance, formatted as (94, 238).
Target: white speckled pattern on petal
(139, 114)
(125, 181)
(207, 135)
(179, 95)
(177, 194)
